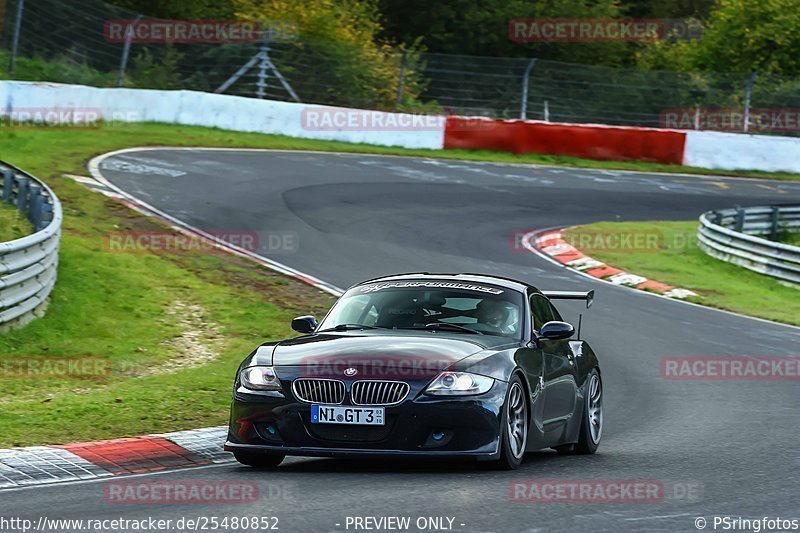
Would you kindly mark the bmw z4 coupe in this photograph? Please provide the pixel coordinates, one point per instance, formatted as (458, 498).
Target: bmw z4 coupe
(423, 365)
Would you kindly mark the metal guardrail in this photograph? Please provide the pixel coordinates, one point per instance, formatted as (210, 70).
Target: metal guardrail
(735, 236)
(28, 266)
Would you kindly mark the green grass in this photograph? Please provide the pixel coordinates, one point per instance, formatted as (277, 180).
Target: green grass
(792, 238)
(12, 224)
(117, 306)
(678, 261)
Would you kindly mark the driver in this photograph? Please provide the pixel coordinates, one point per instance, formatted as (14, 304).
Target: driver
(493, 313)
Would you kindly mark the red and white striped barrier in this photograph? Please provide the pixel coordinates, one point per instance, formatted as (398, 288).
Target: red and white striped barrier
(703, 149)
(587, 141)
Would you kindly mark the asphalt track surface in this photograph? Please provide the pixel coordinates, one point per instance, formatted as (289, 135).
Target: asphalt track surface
(732, 444)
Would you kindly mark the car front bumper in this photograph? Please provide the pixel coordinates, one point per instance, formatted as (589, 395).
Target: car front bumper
(420, 426)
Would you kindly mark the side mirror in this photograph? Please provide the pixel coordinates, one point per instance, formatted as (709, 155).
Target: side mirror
(556, 331)
(304, 324)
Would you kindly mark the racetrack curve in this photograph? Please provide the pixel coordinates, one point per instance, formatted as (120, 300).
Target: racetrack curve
(733, 443)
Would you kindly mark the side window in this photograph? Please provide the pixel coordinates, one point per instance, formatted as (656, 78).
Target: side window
(556, 314)
(541, 310)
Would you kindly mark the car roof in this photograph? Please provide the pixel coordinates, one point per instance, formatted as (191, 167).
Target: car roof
(507, 283)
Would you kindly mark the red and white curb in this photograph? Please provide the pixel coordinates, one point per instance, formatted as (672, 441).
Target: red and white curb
(552, 244)
(38, 465)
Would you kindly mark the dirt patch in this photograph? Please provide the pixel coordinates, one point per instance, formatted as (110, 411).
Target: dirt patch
(231, 270)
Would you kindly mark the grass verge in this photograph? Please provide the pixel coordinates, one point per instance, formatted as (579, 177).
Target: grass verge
(678, 261)
(12, 224)
(172, 327)
(792, 238)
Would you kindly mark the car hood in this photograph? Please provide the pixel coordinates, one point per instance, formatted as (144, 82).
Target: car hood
(379, 355)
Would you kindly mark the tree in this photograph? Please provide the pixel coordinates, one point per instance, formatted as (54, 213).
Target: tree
(480, 27)
(179, 9)
(332, 53)
(740, 36)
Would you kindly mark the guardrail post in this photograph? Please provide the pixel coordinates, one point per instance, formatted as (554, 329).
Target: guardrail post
(523, 105)
(739, 219)
(8, 185)
(15, 39)
(402, 79)
(126, 50)
(47, 213)
(22, 194)
(748, 91)
(774, 219)
(35, 213)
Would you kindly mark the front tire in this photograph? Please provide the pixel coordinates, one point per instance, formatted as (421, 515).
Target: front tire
(258, 460)
(592, 423)
(514, 426)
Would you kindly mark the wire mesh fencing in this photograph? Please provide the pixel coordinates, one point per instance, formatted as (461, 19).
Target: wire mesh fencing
(68, 41)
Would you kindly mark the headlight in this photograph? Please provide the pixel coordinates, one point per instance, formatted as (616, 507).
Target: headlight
(453, 383)
(260, 378)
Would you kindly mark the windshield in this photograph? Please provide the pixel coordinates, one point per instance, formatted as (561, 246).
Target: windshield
(419, 304)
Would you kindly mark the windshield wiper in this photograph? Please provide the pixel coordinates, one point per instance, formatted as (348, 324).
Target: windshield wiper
(346, 327)
(433, 326)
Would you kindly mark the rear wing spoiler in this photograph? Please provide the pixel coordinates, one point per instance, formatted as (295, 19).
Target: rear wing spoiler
(571, 295)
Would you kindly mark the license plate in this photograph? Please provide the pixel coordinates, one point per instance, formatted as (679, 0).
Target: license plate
(335, 414)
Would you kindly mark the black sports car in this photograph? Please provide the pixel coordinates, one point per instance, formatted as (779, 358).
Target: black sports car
(462, 366)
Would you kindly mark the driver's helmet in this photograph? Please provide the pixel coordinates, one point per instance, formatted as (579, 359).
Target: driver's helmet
(494, 313)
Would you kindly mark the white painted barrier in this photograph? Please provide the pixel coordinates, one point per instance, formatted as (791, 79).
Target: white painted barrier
(704, 149)
(223, 111)
(738, 151)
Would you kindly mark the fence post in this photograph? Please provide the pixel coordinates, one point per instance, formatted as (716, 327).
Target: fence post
(401, 82)
(523, 109)
(747, 92)
(126, 50)
(546, 111)
(739, 219)
(773, 226)
(263, 65)
(8, 185)
(15, 39)
(35, 212)
(22, 194)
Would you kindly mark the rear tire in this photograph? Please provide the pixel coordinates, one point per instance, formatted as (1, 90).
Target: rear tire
(258, 460)
(513, 426)
(592, 422)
